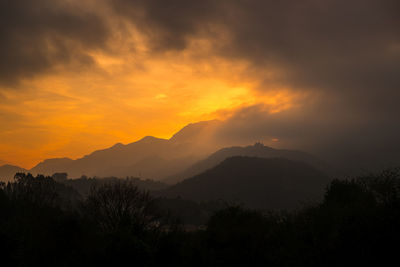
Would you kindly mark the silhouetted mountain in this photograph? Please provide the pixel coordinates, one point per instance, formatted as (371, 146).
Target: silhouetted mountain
(256, 150)
(50, 166)
(201, 132)
(7, 172)
(149, 157)
(163, 159)
(255, 182)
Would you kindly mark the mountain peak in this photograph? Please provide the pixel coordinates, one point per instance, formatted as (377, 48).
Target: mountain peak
(117, 145)
(148, 138)
(195, 130)
(9, 166)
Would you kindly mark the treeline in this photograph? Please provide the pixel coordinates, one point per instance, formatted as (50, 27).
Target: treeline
(44, 222)
(83, 184)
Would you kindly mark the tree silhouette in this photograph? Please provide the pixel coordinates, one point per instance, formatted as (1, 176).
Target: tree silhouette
(39, 191)
(356, 224)
(122, 206)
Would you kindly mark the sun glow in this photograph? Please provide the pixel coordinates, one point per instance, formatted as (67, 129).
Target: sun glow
(122, 99)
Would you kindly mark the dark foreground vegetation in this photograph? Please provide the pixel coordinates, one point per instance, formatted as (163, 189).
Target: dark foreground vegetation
(48, 223)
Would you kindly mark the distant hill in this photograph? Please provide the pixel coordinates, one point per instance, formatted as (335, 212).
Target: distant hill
(167, 160)
(150, 157)
(107, 161)
(50, 166)
(256, 150)
(7, 172)
(256, 182)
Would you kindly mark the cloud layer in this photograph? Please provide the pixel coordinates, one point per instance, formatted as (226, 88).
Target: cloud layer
(38, 36)
(343, 56)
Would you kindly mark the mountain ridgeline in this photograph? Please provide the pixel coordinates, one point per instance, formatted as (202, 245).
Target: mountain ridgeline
(256, 150)
(169, 160)
(149, 157)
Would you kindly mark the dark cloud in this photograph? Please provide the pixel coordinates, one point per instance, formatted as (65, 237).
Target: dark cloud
(39, 35)
(347, 52)
(321, 45)
(349, 142)
(349, 47)
(169, 24)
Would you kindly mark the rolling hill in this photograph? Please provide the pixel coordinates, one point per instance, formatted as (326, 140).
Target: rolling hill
(256, 182)
(7, 172)
(256, 150)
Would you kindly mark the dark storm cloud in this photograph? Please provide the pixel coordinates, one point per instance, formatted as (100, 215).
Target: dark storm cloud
(348, 144)
(169, 24)
(39, 35)
(324, 45)
(348, 52)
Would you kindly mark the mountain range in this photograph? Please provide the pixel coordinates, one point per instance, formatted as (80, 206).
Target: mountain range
(185, 154)
(150, 157)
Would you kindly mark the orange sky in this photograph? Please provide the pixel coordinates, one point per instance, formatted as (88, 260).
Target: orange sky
(77, 76)
(126, 94)
(71, 114)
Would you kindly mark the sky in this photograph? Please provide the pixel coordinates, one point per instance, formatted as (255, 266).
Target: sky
(319, 75)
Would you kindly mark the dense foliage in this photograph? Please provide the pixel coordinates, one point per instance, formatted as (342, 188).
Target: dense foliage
(44, 222)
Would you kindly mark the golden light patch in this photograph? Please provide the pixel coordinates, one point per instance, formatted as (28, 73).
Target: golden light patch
(127, 96)
(161, 96)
